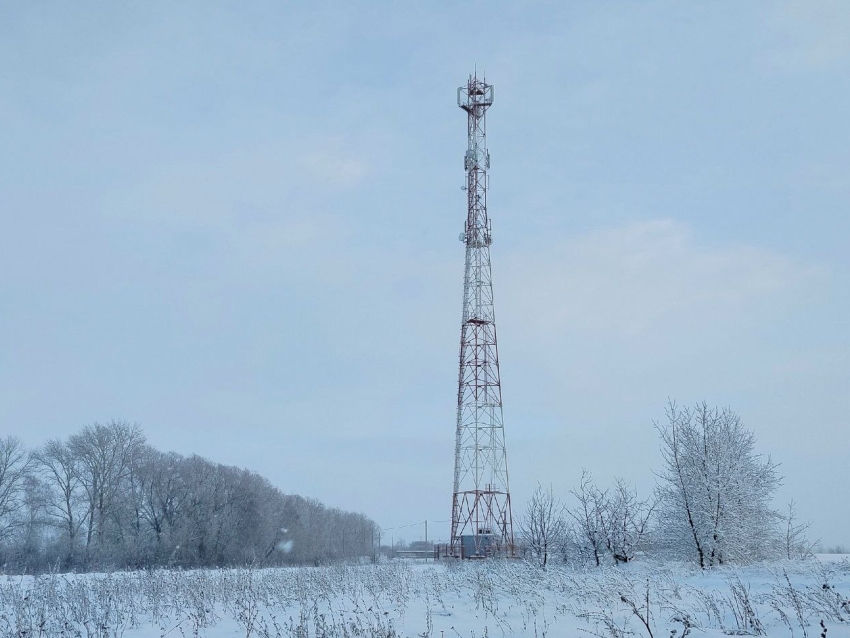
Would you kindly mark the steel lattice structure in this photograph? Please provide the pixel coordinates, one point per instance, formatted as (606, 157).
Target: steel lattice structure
(481, 509)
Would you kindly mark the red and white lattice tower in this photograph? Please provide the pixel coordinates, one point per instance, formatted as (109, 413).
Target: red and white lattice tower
(481, 505)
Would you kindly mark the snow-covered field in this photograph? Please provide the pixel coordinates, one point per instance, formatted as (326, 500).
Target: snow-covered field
(441, 600)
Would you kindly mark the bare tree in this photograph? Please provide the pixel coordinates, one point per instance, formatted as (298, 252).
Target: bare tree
(626, 521)
(104, 454)
(60, 468)
(543, 527)
(609, 524)
(14, 469)
(162, 490)
(29, 535)
(129, 505)
(795, 542)
(715, 491)
(588, 520)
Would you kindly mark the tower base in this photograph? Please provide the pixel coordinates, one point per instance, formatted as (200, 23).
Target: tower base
(481, 526)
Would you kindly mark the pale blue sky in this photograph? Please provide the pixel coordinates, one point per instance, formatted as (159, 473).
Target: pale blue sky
(236, 223)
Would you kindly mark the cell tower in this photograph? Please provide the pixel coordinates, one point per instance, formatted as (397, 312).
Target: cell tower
(481, 508)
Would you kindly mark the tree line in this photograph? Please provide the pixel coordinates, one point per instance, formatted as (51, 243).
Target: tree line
(712, 504)
(103, 498)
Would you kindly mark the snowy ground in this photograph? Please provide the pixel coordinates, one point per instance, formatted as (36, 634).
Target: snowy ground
(442, 600)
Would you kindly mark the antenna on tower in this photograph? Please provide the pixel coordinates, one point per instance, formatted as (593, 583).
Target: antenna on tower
(482, 524)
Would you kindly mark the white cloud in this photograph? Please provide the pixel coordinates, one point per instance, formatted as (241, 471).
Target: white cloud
(644, 277)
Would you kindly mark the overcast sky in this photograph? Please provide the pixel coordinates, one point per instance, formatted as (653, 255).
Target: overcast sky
(236, 224)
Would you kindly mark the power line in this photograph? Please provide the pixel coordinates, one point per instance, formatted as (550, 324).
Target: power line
(388, 529)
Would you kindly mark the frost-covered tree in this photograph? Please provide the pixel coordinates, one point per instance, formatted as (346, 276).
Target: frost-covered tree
(714, 490)
(609, 525)
(588, 523)
(543, 527)
(103, 498)
(626, 519)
